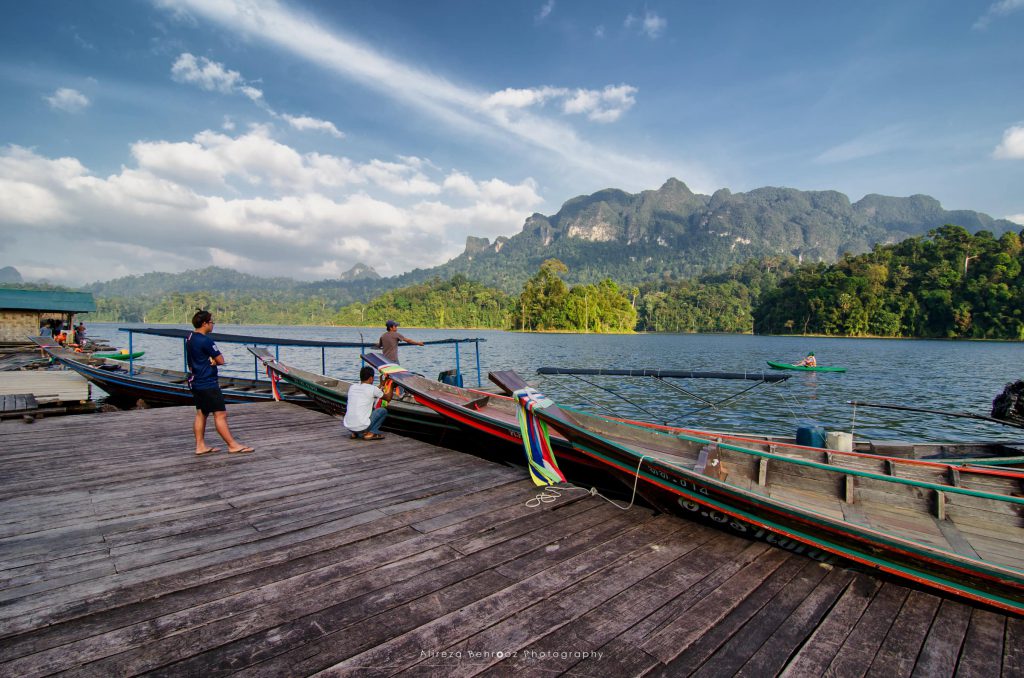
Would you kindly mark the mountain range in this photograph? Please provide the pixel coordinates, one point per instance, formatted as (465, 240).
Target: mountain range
(670, 232)
(673, 231)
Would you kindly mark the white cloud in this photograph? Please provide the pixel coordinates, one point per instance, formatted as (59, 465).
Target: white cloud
(605, 105)
(650, 24)
(177, 208)
(68, 100)
(302, 123)
(522, 98)
(1012, 146)
(1016, 218)
(209, 75)
(463, 109)
(545, 10)
(998, 9)
(875, 142)
(254, 94)
(599, 32)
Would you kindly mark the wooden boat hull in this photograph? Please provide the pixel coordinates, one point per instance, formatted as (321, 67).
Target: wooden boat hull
(405, 416)
(704, 492)
(803, 368)
(168, 387)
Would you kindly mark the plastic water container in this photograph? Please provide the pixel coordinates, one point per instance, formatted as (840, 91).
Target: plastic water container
(810, 436)
(840, 441)
(450, 377)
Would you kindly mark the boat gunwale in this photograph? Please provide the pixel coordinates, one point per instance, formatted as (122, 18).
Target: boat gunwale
(818, 465)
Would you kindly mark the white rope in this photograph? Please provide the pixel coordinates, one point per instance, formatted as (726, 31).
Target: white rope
(551, 492)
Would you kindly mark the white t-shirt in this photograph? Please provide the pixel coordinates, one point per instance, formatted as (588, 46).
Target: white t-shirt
(360, 403)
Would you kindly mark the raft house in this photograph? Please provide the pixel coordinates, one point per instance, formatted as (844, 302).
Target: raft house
(32, 394)
(22, 312)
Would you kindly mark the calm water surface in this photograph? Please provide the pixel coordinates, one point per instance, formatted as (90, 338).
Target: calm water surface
(943, 375)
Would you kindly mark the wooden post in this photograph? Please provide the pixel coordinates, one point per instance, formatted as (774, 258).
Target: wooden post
(954, 476)
(940, 504)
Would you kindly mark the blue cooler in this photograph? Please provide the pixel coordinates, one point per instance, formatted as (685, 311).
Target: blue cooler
(810, 435)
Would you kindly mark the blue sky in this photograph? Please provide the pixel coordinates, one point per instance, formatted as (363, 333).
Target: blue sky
(299, 138)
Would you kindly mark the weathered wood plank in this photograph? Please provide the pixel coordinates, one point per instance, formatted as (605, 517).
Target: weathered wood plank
(821, 647)
(982, 652)
(676, 636)
(941, 648)
(722, 640)
(898, 653)
(861, 646)
(790, 635)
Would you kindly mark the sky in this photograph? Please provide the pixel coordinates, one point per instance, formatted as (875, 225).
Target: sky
(289, 138)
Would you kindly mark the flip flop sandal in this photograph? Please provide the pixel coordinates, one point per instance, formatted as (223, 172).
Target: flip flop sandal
(373, 436)
(242, 450)
(209, 450)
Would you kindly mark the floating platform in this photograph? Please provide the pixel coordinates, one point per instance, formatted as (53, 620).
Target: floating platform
(48, 386)
(121, 552)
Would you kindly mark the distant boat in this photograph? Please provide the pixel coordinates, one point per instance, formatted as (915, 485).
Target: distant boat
(120, 355)
(159, 385)
(803, 368)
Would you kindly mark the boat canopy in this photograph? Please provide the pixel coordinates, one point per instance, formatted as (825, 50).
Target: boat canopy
(278, 342)
(663, 374)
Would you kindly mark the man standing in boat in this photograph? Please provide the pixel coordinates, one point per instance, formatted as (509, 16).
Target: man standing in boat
(203, 359)
(388, 342)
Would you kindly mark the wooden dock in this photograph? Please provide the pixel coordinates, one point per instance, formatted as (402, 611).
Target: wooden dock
(122, 553)
(47, 385)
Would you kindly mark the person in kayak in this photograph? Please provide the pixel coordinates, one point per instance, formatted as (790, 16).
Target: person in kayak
(809, 361)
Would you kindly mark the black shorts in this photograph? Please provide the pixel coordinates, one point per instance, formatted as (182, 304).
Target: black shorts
(209, 400)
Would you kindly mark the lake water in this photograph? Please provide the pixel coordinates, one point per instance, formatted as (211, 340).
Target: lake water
(942, 375)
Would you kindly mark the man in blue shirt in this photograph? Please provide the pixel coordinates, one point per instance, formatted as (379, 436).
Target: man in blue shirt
(203, 359)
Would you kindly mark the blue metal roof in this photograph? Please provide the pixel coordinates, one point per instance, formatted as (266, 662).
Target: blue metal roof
(46, 300)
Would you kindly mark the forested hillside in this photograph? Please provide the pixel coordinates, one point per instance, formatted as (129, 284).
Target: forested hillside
(949, 284)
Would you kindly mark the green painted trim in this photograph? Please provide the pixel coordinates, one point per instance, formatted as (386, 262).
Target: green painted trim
(825, 467)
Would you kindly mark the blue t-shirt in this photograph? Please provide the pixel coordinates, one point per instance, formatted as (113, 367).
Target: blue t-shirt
(200, 349)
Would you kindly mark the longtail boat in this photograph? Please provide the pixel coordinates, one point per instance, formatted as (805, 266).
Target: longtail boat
(132, 382)
(955, 529)
(496, 415)
(405, 415)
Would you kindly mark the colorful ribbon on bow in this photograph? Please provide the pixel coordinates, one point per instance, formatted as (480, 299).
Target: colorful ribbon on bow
(273, 383)
(540, 458)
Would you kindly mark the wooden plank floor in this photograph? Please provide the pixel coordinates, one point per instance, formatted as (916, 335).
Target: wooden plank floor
(122, 553)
